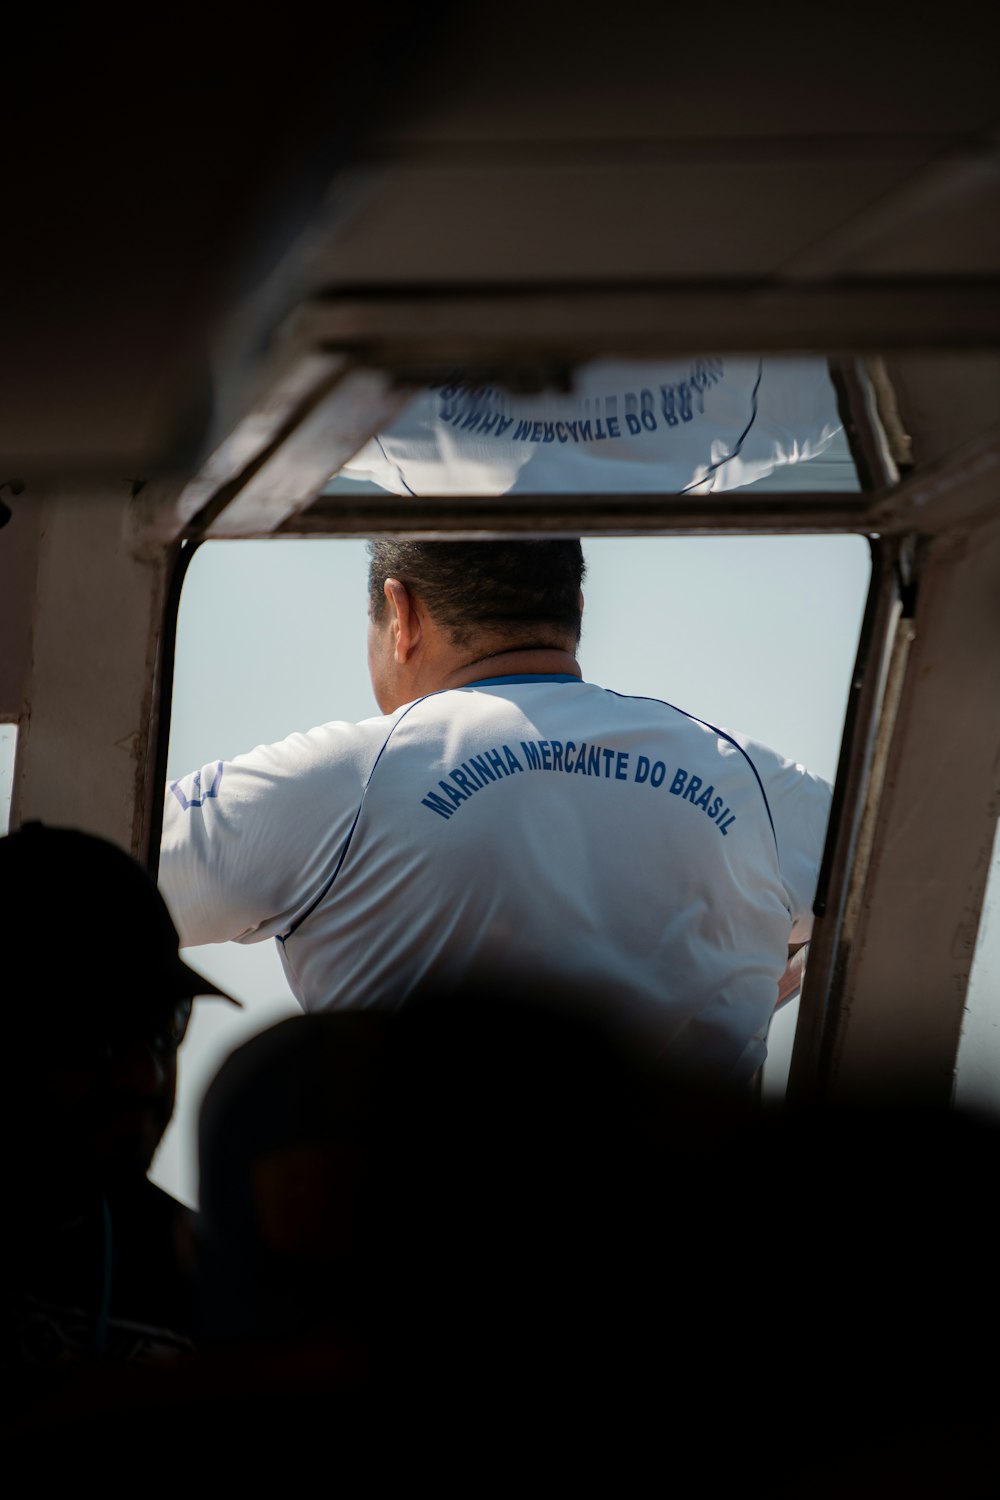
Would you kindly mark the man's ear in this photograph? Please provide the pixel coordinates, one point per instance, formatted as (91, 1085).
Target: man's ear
(405, 622)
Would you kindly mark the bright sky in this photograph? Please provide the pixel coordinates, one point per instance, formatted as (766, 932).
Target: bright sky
(753, 634)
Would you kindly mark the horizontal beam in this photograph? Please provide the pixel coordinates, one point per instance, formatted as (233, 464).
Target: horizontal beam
(413, 329)
(350, 515)
(437, 154)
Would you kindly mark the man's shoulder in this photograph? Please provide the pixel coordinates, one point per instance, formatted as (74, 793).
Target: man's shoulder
(326, 748)
(328, 743)
(274, 780)
(780, 771)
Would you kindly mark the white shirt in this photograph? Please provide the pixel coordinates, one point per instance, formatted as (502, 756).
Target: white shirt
(605, 841)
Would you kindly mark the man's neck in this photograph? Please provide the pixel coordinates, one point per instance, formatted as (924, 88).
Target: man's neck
(521, 661)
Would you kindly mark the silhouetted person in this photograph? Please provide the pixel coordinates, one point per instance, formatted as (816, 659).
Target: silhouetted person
(97, 1261)
(483, 1236)
(416, 1219)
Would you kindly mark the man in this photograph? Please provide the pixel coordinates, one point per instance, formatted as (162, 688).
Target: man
(96, 1259)
(504, 814)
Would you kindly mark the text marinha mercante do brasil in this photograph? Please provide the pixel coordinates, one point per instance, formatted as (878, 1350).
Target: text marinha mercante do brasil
(570, 759)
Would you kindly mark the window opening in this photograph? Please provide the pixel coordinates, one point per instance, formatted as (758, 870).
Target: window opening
(754, 634)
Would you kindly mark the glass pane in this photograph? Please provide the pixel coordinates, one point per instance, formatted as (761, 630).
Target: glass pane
(698, 426)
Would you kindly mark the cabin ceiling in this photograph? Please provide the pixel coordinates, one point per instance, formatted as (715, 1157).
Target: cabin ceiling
(233, 249)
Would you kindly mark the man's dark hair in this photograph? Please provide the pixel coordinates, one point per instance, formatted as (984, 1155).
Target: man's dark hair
(473, 587)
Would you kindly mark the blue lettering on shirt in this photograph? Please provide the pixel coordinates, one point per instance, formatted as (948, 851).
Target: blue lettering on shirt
(482, 769)
(196, 795)
(479, 409)
(437, 804)
(462, 780)
(496, 761)
(491, 764)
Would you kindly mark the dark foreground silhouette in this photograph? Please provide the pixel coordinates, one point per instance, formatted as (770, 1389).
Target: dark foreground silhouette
(488, 1238)
(97, 1270)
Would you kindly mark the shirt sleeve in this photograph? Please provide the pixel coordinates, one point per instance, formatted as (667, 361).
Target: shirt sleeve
(799, 804)
(249, 843)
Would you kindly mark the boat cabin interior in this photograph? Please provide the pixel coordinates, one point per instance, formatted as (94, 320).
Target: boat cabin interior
(234, 252)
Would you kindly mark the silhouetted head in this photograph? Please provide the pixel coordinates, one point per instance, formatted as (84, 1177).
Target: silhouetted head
(98, 1001)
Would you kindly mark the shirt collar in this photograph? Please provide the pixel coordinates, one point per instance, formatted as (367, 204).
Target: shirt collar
(525, 677)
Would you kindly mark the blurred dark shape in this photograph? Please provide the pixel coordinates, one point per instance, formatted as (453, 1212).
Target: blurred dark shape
(160, 180)
(287, 1139)
(488, 1236)
(97, 1262)
(534, 1246)
(487, 1172)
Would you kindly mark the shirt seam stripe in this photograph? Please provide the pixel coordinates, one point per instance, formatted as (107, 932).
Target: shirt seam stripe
(283, 937)
(642, 698)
